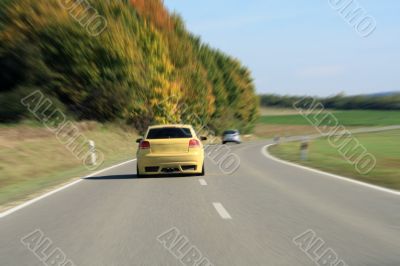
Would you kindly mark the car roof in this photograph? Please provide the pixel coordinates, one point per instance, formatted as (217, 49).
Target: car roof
(171, 125)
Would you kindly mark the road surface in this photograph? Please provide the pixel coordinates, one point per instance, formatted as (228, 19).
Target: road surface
(247, 218)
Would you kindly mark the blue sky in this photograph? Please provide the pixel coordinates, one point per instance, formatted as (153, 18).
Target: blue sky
(302, 47)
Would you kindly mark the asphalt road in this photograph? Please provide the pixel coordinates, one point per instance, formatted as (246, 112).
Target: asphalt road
(247, 218)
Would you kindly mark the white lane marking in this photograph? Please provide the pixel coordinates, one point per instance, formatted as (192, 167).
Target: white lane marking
(347, 179)
(221, 211)
(202, 182)
(30, 202)
(109, 168)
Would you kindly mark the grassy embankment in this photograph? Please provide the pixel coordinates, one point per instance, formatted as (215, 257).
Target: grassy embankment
(385, 146)
(32, 160)
(288, 122)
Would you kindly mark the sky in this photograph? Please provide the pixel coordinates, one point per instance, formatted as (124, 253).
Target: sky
(298, 47)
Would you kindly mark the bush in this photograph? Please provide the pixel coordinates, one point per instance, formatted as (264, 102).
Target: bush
(11, 108)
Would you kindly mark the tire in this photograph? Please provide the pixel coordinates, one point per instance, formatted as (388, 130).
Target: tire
(137, 172)
(223, 143)
(203, 171)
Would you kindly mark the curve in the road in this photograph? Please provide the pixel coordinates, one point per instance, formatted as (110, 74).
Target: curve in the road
(264, 151)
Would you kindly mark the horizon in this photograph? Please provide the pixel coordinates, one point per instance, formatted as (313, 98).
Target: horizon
(380, 94)
(329, 56)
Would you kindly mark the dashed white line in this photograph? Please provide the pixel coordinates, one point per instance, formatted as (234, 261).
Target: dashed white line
(203, 182)
(221, 211)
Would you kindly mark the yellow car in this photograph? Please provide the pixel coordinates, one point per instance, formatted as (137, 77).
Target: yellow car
(170, 149)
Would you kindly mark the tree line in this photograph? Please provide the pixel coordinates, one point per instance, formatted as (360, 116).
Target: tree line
(141, 69)
(340, 102)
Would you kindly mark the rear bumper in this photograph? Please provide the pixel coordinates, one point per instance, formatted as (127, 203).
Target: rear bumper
(154, 164)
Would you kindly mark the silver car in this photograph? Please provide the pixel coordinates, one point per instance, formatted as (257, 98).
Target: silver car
(231, 136)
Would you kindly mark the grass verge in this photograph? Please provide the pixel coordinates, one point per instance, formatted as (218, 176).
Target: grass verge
(33, 160)
(385, 146)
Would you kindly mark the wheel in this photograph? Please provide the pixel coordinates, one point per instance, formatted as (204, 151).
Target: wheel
(203, 172)
(224, 142)
(137, 171)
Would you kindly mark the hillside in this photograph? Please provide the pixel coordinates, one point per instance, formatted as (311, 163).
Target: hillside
(143, 68)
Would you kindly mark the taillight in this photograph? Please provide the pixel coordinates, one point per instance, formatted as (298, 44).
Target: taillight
(144, 145)
(194, 143)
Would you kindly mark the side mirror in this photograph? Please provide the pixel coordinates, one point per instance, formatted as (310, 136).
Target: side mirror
(139, 140)
(203, 138)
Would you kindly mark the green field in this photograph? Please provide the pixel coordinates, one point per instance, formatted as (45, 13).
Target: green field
(385, 146)
(345, 118)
